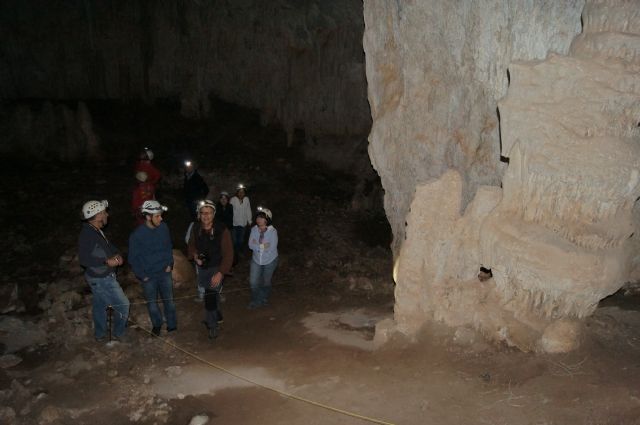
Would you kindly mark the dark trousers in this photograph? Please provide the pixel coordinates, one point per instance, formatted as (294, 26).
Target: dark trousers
(212, 307)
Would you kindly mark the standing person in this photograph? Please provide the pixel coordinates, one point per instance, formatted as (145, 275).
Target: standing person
(143, 191)
(151, 258)
(144, 164)
(211, 249)
(263, 241)
(195, 188)
(224, 210)
(242, 217)
(100, 260)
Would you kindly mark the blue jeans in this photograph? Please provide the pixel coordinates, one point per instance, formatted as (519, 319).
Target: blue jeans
(160, 285)
(260, 282)
(107, 292)
(238, 239)
(212, 308)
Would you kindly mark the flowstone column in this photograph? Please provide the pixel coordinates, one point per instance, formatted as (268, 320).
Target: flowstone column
(559, 241)
(558, 235)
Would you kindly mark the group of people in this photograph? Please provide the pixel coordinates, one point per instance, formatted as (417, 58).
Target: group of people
(215, 242)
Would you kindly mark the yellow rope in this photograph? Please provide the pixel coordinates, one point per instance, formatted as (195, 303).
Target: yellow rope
(242, 378)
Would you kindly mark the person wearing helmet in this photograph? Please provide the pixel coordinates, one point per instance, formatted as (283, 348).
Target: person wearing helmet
(263, 241)
(224, 210)
(100, 260)
(151, 258)
(211, 249)
(144, 164)
(242, 217)
(143, 191)
(195, 188)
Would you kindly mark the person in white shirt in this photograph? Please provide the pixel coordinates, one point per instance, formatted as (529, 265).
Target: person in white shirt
(242, 217)
(263, 241)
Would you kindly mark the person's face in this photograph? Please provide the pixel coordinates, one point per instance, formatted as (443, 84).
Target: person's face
(101, 219)
(224, 200)
(206, 216)
(261, 222)
(154, 220)
(240, 194)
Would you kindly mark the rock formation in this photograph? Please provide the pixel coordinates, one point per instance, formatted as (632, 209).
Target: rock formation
(435, 71)
(300, 64)
(558, 236)
(47, 130)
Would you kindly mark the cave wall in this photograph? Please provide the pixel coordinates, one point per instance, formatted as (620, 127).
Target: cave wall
(560, 232)
(300, 64)
(435, 73)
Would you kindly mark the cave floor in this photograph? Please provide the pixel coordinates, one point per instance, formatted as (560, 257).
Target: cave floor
(314, 341)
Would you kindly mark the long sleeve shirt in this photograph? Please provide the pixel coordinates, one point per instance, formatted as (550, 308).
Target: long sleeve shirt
(142, 192)
(264, 246)
(225, 215)
(153, 174)
(93, 251)
(242, 215)
(150, 250)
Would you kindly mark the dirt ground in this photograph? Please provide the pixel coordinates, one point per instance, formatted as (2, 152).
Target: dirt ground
(308, 357)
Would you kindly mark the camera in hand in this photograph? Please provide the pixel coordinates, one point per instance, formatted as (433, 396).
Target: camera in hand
(204, 258)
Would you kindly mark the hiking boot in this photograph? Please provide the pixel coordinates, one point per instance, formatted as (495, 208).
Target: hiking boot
(122, 339)
(155, 331)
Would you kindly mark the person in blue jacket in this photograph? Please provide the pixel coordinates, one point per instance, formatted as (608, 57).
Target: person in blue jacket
(263, 241)
(151, 258)
(100, 260)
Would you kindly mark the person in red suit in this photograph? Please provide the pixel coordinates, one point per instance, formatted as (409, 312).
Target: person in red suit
(144, 164)
(143, 191)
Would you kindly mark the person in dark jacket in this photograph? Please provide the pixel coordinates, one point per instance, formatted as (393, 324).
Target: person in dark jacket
(100, 260)
(211, 248)
(195, 188)
(151, 258)
(224, 211)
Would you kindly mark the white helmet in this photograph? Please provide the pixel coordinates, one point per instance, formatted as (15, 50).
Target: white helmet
(265, 211)
(149, 153)
(152, 207)
(141, 176)
(91, 208)
(207, 203)
(240, 186)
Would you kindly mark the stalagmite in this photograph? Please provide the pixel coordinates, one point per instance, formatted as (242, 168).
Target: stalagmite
(559, 235)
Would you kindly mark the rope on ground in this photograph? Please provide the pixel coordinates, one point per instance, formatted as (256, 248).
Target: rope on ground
(266, 387)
